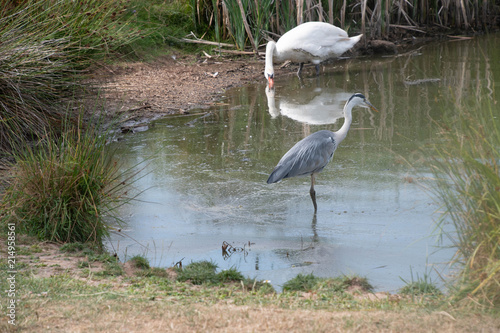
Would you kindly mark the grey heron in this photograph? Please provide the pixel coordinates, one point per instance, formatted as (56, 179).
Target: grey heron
(311, 154)
(312, 42)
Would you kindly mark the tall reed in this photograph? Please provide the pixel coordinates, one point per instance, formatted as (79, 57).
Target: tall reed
(236, 26)
(245, 19)
(467, 168)
(375, 19)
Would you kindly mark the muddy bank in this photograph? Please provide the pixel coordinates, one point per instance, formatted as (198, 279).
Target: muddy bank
(136, 93)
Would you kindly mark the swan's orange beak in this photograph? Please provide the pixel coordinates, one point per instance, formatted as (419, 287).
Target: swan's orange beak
(270, 79)
(271, 83)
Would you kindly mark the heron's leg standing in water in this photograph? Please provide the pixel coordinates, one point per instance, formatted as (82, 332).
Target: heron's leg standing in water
(312, 192)
(317, 70)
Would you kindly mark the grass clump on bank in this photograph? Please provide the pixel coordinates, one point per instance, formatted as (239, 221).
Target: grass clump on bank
(420, 288)
(45, 47)
(200, 272)
(205, 273)
(139, 262)
(65, 188)
(340, 284)
(467, 168)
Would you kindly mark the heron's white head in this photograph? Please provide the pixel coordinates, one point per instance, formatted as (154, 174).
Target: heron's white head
(360, 99)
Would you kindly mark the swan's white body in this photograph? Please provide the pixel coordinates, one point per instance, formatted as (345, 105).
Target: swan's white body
(309, 42)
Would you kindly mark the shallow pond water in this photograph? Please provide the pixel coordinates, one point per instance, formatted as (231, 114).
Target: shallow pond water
(204, 183)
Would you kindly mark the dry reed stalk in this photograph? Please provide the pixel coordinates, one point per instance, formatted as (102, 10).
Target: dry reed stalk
(387, 18)
(330, 11)
(300, 11)
(363, 17)
(464, 13)
(277, 9)
(319, 9)
(342, 14)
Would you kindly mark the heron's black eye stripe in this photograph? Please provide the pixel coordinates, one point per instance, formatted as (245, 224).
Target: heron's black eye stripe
(357, 95)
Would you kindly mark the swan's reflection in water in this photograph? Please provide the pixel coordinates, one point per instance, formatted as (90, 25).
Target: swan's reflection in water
(313, 106)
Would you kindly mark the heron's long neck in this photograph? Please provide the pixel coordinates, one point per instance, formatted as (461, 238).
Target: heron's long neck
(342, 132)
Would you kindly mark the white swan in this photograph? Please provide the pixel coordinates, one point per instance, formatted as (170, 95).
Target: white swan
(309, 42)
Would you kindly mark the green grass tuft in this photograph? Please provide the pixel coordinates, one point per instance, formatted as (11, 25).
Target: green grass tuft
(230, 275)
(261, 287)
(65, 188)
(199, 273)
(154, 272)
(205, 272)
(301, 283)
(161, 25)
(111, 269)
(140, 262)
(357, 282)
(340, 284)
(73, 247)
(420, 288)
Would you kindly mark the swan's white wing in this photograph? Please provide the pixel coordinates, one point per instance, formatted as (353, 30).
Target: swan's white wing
(307, 30)
(314, 41)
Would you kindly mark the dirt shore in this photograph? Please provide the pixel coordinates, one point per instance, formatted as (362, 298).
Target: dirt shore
(140, 92)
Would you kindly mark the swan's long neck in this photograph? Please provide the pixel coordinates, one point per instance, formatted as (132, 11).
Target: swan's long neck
(342, 132)
(270, 54)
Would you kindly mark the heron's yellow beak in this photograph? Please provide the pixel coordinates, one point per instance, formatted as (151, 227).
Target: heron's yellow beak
(371, 106)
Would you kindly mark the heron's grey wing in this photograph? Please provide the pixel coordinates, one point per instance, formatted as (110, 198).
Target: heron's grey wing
(309, 155)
